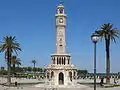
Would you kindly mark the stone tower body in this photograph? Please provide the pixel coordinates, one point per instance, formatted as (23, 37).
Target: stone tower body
(61, 71)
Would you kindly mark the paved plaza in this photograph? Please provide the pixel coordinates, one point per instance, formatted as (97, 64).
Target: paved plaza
(43, 87)
(38, 88)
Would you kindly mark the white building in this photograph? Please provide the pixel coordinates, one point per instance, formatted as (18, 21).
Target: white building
(61, 71)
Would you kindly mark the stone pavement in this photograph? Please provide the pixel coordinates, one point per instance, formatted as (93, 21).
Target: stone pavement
(36, 88)
(40, 88)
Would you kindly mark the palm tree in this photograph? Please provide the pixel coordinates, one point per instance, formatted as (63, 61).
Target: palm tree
(34, 63)
(9, 46)
(15, 61)
(18, 62)
(108, 33)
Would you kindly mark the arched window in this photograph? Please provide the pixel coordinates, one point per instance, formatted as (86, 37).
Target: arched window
(52, 74)
(48, 74)
(68, 60)
(60, 60)
(70, 76)
(61, 10)
(53, 60)
(74, 75)
(64, 60)
(60, 39)
(57, 60)
(61, 78)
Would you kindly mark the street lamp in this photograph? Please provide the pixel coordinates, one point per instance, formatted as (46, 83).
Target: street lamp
(95, 38)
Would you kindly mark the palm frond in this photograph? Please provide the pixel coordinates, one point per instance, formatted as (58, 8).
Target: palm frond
(2, 47)
(108, 32)
(10, 44)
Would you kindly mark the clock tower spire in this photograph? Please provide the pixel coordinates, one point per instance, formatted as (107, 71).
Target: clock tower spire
(60, 29)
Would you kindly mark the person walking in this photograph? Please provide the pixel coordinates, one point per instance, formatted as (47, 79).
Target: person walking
(102, 81)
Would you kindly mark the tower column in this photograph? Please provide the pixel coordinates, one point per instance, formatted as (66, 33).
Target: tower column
(55, 60)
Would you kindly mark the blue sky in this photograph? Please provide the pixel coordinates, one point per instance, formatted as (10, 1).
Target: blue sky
(33, 24)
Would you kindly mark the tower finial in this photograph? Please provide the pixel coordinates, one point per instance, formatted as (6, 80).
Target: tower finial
(61, 2)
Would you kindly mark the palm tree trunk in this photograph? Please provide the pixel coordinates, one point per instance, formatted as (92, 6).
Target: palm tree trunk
(34, 68)
(14, 69)
(9, 67)
(107, 61)
(13, 66)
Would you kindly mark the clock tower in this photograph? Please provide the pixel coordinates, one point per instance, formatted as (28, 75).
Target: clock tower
(60, 29)
(61, 71)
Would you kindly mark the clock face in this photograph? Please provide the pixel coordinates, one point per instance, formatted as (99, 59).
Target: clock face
(61, 20)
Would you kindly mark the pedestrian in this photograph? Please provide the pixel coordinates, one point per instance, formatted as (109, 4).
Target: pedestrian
(101, 82)
(115, 81)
